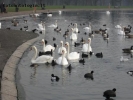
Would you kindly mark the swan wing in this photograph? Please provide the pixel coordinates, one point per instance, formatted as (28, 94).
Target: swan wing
(48, 48)
(73, 56)
(73, 36)
(43, 59)
(53, 26)
(62, 61)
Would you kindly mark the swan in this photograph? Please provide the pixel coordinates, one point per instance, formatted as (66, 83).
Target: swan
(87, 46)
(54, 78)
(62, 60)
(0, 25)
(60, 12)
(53, 25)
(118, 26)
(121, 32)
(73, 36)
(40, 59)
(49, 14)
(122, 59)
(41, 26)
(47, 47)
(75, 30)
(87, 29)
(36, 15)
(62, 48)
(72, 55)
(108, 12)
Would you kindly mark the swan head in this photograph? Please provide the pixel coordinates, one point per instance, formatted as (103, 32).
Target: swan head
(75, 24)
(89, 39)
(66, 44)
(61, 42)
(42, 41)
(33, 48)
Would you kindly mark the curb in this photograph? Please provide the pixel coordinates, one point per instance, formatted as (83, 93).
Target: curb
(8, 83)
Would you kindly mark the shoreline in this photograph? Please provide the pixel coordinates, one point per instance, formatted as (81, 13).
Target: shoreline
(24, 13)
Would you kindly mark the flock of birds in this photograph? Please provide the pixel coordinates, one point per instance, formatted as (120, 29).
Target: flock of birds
(64, 51)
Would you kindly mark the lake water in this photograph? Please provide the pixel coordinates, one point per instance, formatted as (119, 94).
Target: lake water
(109, 72)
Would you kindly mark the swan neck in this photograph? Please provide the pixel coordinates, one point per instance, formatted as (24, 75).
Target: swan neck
(44, 46)
(35, 55)
(68, 50)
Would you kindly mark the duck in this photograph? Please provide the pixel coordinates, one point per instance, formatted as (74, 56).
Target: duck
(40, 59)
(53, 62)
(128, 50)
(54, 78)
(62, 48)
(72, 55)
(99, 55)
(82, 61)
(122, 59)
(74, 35)
(109, 93)
(47, 47)
(46, 53)
(89, 75)
(87, 46)
(62, 60)
(84, 55)
(76, 44)
(53, 25)
(69, 68)
(130, 73)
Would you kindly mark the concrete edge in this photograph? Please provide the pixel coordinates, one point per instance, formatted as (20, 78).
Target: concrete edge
(8, 83)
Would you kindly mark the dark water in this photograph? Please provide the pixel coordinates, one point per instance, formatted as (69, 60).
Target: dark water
(109, 72)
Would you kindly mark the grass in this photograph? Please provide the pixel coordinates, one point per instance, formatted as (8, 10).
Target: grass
(12, 9)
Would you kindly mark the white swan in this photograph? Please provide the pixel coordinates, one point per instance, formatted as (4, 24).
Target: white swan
(47, 47)
(121, 31)
(40, 59)
(122, 59)
(60, 12)
(62, 48)
(87, 29)
(49, 14)
(0, 25)
(41, 26)
(73, 36)
(53, 25)
(75, 30)
(62, 60)
(87, 46)
(72, 55)
(108, 12)
(118, 26)
(36, 15)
